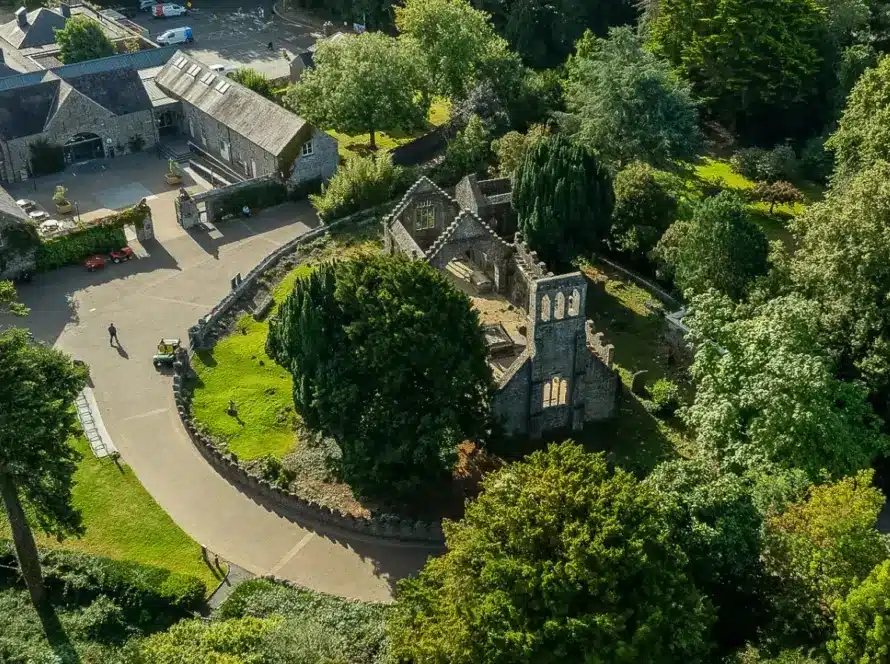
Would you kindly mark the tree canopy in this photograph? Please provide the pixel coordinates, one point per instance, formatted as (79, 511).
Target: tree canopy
(390, 359)
(37, 390)
(755, 63)
(9, 300)
(82, 39)
(361, 85)
(253, 80)
(563, 197)
(629, 104)
(862, 625)
(767, 391)
(823, 546)
(843, 262)
(558, 560)
(719, 247)
(645, 206)
(456, 42)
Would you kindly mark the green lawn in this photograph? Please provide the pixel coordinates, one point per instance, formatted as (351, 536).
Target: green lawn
(124, 522)
(238, 368)
(773, 224)
(351, 145)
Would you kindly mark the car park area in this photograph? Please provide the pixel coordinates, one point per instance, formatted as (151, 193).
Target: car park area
(233, 36)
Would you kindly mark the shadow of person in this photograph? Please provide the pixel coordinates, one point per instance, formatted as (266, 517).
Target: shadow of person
(55, 634)
(121, 351)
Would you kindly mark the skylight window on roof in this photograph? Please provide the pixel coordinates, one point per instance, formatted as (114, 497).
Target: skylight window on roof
(225, 87)
(219, 85)
(180, 62)
(207, 78)
(193, 70)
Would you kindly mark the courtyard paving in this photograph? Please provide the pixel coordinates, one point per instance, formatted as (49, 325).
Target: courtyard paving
(101, 186)
(179, 278)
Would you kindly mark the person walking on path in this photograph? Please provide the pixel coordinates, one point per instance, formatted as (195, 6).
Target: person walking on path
(112, 335)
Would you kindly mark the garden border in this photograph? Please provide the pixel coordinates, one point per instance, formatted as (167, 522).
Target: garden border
(382, 527)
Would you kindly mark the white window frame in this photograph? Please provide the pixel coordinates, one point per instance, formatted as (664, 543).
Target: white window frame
(425, 216)
(307, 149)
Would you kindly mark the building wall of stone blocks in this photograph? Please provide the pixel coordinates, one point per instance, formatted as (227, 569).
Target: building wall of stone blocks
(510, 404)
(321, 164)
(446, 211)
(600, 387)
(518, 284)
(80, 115)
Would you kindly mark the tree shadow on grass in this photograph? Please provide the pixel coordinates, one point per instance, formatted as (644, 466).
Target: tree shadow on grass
(206, 357)
(56, 635)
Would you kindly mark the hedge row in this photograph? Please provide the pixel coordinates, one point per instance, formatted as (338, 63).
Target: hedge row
(149, 596)
(73, 248)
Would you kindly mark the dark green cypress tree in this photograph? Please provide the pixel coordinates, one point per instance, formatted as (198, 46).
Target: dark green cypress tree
(564, 199)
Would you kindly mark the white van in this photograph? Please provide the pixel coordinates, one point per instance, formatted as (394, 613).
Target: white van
(176, 36)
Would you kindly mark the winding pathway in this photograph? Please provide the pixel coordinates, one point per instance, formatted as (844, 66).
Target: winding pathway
(161, 296)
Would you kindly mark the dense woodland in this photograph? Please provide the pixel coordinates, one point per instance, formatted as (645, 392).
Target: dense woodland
(757, 541)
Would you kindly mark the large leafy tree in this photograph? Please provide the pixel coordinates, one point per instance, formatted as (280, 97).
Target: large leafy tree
(544, 33)
(629, 104)
(862, 621)
(564, 198)
(719, 247)
(457, 43)
(390, 359)
(645, 206)
(768, 392)
(361, 85)
(722, 538)
(753, 62)
(558, 560)
(822, 546)
(82, 39)
(843, 261)
(37, 389)
(862, 138)
(9, 300)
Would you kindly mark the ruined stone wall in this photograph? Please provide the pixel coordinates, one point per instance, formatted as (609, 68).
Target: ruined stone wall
(601, 384)
(510, 404)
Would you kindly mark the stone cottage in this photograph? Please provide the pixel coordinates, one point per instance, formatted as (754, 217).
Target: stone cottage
(243, 130)
(18, 245)
(552, 371)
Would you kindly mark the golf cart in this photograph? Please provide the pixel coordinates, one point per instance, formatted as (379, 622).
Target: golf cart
(166, 352)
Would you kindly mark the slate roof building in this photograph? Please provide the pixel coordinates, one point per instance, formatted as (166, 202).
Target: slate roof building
(242, 130)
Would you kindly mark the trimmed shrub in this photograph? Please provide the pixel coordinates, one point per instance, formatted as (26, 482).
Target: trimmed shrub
(258, 197)
(361, 182)
(665, 398)
(148, 596)
(271, 470)
(102, 621)
(52, 254)
(780, 163)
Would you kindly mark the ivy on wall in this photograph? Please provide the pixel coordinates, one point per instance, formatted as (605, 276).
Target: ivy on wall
(107, 234)
(20, 238)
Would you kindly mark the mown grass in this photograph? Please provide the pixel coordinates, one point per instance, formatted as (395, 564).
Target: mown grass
(774, 224)
(237, 368)
(358, 144)
(124, 522)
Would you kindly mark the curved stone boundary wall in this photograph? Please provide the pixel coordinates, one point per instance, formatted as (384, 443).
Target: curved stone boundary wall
(386, 527)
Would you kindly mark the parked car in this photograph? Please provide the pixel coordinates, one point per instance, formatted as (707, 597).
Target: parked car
(146, 5)
(225, 70)
(94, 263)
(26, 204)
(38, 215)
(176, 36)
(168, 10)
(122, 254)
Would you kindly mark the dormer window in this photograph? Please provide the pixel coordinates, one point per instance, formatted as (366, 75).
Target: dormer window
(425, 216)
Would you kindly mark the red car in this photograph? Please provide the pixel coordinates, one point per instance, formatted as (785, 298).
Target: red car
(122, 254)
(93, 263)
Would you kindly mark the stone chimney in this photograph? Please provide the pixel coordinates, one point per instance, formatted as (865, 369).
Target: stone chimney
(21, 15)
(65, 9)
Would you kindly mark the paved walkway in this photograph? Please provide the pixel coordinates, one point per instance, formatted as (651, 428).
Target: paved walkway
(160, 296)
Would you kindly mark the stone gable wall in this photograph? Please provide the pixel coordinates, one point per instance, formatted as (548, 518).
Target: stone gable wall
(321, 164)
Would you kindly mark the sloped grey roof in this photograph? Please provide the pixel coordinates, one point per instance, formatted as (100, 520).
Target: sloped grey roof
(40, 30)
(118, 90)
(6, 70)
(24, 111)
(254, 117)
(8, 207)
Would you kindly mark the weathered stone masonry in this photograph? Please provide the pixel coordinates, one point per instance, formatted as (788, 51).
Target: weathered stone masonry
(563, 376)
